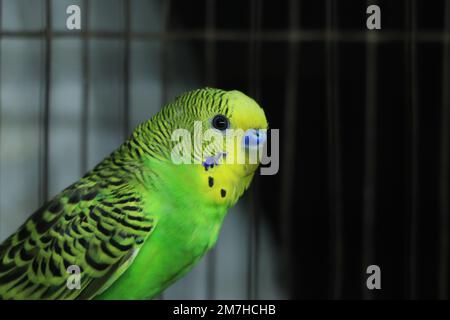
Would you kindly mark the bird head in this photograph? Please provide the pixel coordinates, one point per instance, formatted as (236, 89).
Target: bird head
(221, 133)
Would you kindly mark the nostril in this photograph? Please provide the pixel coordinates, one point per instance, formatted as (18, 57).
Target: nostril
(247, 140)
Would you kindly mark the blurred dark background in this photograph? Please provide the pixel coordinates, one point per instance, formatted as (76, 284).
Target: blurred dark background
(363, 118)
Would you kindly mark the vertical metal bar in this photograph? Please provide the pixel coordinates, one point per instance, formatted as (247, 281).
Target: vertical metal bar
(210, 50)
(334, 152)
(288, 153)
(1, 42)
(46, 108)
(444, 186)
(370, 141)
(86, 90)
(164, 51)
(254, 47)
(252, 219)
(164, 62)
(254, 76)
(210, 46)
(126, 70)
(413, 146)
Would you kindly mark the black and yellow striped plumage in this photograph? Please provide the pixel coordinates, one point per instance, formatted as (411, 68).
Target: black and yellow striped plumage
(96, 224)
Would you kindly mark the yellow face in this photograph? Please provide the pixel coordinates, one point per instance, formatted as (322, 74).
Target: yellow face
(238, 123)
(247, 134)
(233, 132)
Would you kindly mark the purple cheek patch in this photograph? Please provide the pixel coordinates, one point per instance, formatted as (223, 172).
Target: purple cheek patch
(212, 161)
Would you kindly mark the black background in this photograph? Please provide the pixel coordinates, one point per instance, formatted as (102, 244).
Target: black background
(313, 228)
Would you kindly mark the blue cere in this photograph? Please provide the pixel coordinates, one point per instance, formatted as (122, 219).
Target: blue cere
(254, 138)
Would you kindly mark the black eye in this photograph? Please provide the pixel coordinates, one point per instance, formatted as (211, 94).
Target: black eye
(220, 122)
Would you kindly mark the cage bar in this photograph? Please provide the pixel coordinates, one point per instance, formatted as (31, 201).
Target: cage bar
(289, 122)
(45, 127)
(85, 90)
(334, 153)
(1, 41)
(210, 48)
(126, 70)
(164, 52)
(444, 187)
(413, 141)
(241, 35)
(164, 62)
(254, 89)
(369, 175)
(210, 54)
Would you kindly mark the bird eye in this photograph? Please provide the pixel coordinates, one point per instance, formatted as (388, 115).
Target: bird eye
(220, 122)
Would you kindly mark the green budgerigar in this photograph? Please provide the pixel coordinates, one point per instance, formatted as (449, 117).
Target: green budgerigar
(138, 221)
